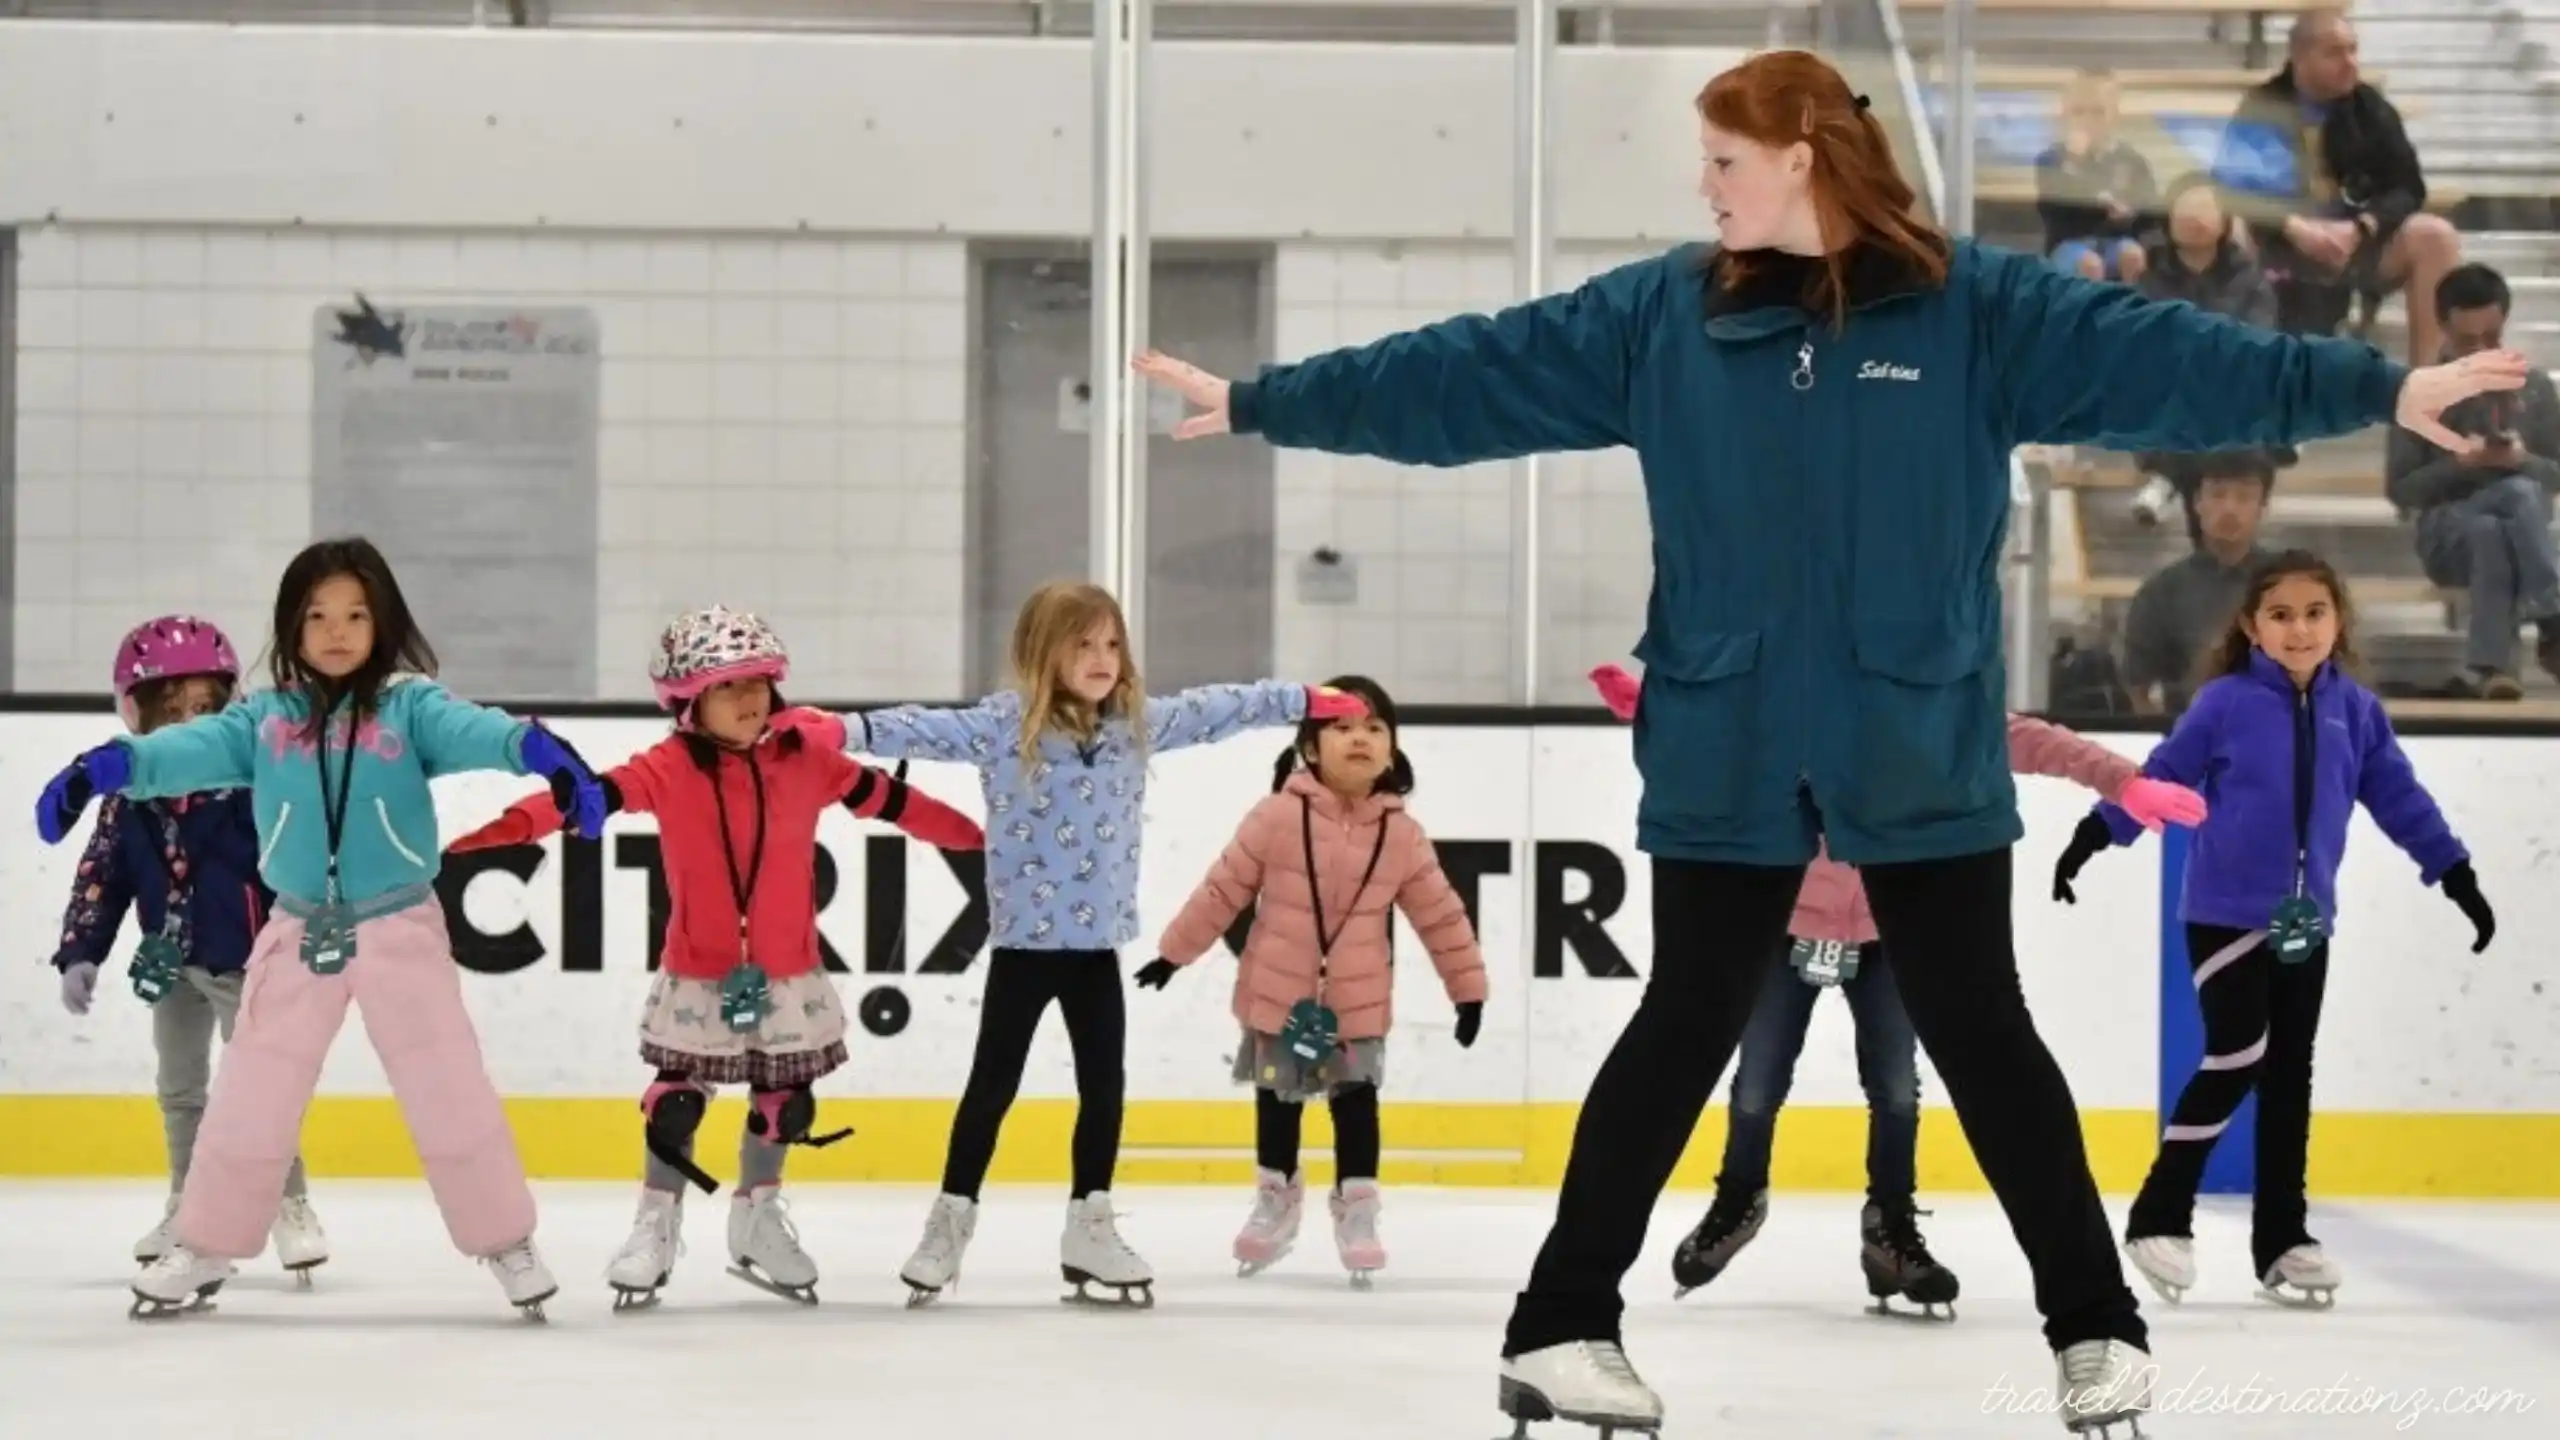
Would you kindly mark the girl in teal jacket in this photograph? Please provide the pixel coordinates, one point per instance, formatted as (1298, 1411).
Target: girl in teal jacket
(347, 839)
(1824, 406)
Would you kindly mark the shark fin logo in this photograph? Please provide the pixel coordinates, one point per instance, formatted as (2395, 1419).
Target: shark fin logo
(371, 335)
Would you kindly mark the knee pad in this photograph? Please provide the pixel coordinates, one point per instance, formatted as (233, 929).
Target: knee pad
(784, 1117)
(674, 1106)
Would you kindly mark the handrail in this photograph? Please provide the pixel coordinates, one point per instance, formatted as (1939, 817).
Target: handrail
(1906, 78)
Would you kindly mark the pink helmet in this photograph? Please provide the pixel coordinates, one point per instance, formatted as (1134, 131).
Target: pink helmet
(173, 645)
(706, 647)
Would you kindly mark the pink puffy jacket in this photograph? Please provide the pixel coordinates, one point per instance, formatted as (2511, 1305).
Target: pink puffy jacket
(1833, 903)
(1266, 866)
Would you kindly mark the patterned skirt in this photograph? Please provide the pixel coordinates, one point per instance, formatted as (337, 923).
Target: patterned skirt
(801, 1039)
(1263, 1062)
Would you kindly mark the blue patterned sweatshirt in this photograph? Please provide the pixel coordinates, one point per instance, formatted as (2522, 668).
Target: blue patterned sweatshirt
(1063, 834)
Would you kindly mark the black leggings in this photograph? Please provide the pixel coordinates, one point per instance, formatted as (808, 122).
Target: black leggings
(1020, 985)
(1355, 1132)
(2259, 1019)
(1946, 924)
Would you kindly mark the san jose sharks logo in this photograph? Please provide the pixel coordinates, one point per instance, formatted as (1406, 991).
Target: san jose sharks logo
(370, 335)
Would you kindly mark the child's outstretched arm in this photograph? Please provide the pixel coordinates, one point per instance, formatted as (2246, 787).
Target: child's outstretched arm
(972, 735)
(1233, 881)
(877, 795)
(626, 791)
(453, 735)
(2039, 747)
(211, 752)
(2181, 759)
(1207, 714)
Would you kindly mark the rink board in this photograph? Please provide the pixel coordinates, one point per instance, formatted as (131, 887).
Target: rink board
(2433, 1076)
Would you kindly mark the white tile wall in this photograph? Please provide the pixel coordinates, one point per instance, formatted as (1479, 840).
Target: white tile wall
(1434, 619)
(782, 430)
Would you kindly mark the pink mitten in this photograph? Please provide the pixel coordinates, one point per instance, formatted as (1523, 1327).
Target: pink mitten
(2153, 803)
(1326, 703)
(814, 727)
(1618, 690)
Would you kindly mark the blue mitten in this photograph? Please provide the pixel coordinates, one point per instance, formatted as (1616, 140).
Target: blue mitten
(573, 785)
(104, 770)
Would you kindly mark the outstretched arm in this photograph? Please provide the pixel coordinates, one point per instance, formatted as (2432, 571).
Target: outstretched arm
(1207, 714)
(877, 795)
(918, 732)
(2038, 747)
(213, 752)
(626, 791)
(2181, 759)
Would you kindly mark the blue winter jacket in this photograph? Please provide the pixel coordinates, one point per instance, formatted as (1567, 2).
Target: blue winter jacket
(127, 865)
(1823, 643)
(2283, 769)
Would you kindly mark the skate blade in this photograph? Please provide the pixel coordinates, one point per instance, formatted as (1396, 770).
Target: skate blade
(1138, 1296)
(2125, 1426)
(1247, 1269)
(631, 1302)
(1526, 1406)
(803, 1294)
(1364, 1280)
(1939, 1312)
(148, 1307)
(2322, 1298)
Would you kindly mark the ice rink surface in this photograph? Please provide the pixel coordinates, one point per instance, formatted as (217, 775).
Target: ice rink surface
(2449, 1325)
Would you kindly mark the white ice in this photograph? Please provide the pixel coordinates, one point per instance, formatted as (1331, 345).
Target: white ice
(400, 1337)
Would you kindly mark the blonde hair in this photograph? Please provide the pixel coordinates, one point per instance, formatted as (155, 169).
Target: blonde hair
(1056, 617)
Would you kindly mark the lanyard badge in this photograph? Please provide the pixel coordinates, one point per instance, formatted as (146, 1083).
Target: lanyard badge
(1823, 963)
(329, 936)
(746, 996)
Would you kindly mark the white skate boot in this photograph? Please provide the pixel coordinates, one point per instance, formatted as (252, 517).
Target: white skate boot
(180, 1282)
(935, 1267)
(2105, 1386)
(764, 1247)
(1272, 1231)
(301, 1245)
(163, 1237)
(2303, 1277)
(1588, 1382)
(1091, 1252)
(524, 1277)
(1355, 1231)
(2167, 1261)
(641, 1268)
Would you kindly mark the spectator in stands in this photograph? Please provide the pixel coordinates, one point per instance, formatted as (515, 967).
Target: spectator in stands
(2094, 192)
(2339, 200)
(2183, 609)
(2199, 262)
(2484, 511)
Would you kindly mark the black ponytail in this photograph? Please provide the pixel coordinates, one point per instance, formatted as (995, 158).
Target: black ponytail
(1283, 768)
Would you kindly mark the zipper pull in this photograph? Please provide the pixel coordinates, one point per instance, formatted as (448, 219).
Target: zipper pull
(1802, 379)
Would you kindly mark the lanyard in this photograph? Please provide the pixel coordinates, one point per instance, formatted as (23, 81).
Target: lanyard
(1315, 885)
(742, 887)
(333, 810)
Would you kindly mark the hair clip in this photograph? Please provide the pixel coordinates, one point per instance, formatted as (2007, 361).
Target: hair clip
(1861, 102)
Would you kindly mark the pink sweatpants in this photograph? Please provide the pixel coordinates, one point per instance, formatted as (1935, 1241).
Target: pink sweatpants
(405, 981)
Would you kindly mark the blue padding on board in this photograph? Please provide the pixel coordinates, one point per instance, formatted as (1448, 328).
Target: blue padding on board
(2232, 1168)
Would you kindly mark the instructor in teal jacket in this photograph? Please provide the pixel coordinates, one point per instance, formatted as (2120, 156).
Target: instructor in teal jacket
(1824, 407)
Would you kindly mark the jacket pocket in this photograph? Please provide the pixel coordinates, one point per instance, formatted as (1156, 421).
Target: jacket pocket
(1931, 731)
(1696, 728)
(391, 832)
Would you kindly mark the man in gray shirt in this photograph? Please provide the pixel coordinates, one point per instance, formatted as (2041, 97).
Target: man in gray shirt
(2181, 611)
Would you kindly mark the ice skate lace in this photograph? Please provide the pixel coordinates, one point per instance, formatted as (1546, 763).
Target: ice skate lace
(654, 1226)
(515, 1262)
(774, 1213)
(1612, 1363)
(1270, 1207)
(1103, 1229)
(1359, 1220)
(1899, 1229)
(1725, 1219)
(296, 1213)
(942, 1233)
(2084, 1366)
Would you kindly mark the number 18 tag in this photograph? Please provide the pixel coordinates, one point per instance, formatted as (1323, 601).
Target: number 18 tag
(1824, 962)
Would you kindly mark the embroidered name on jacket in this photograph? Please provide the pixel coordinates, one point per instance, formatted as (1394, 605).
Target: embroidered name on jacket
(1879, 370)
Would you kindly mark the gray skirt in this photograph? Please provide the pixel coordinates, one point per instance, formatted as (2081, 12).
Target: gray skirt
(1264, 1063)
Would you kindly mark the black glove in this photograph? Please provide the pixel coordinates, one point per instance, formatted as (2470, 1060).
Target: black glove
(2088, 840)
(1470, 1020)
(1156, 973)
(2463, 888)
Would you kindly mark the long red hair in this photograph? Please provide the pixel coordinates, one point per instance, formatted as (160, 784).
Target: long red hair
(1780, 97)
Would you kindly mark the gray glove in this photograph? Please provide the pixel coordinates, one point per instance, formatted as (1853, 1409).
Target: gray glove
(79, 986)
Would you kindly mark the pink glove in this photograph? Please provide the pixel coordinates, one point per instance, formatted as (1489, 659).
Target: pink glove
(2153, 803)
(1618, 690)
(814, 727)
(1326, 703)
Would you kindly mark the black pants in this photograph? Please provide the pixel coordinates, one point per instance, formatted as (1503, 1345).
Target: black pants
(1020, 984)
(1946, 925)
(2259, 1018)
(1276, 1124)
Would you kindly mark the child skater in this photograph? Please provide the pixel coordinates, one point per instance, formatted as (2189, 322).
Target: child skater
(190, 864)
(740, 996)
(1834, 943)
(346, 835)
(1062, 760)
(1315, 985)
(2285, 744)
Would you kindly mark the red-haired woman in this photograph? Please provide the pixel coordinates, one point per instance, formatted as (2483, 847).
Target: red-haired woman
(1824, 405)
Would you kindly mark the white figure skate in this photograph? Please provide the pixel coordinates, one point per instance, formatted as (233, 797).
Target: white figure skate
(524, 1277)
(647, 1260)
(2167, 1261)
(935, 1267)
(301, 1245)
(162, 1238)
(1091, 1253)
(180, 1282)
(1355, 1231)
(764, 1247)
(1272, 1232)
(2105, 1387)
(2303, 1277)
(1587, 1382)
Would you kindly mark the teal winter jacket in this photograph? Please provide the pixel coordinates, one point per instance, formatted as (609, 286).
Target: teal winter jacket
(389, 846)
(1823, 645)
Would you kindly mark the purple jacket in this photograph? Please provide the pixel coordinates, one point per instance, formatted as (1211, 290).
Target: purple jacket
(2283, 771)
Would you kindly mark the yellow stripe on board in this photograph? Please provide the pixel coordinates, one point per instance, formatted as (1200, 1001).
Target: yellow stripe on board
(1173, 1142)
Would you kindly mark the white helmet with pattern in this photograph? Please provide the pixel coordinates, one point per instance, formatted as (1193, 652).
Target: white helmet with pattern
(706, 647)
